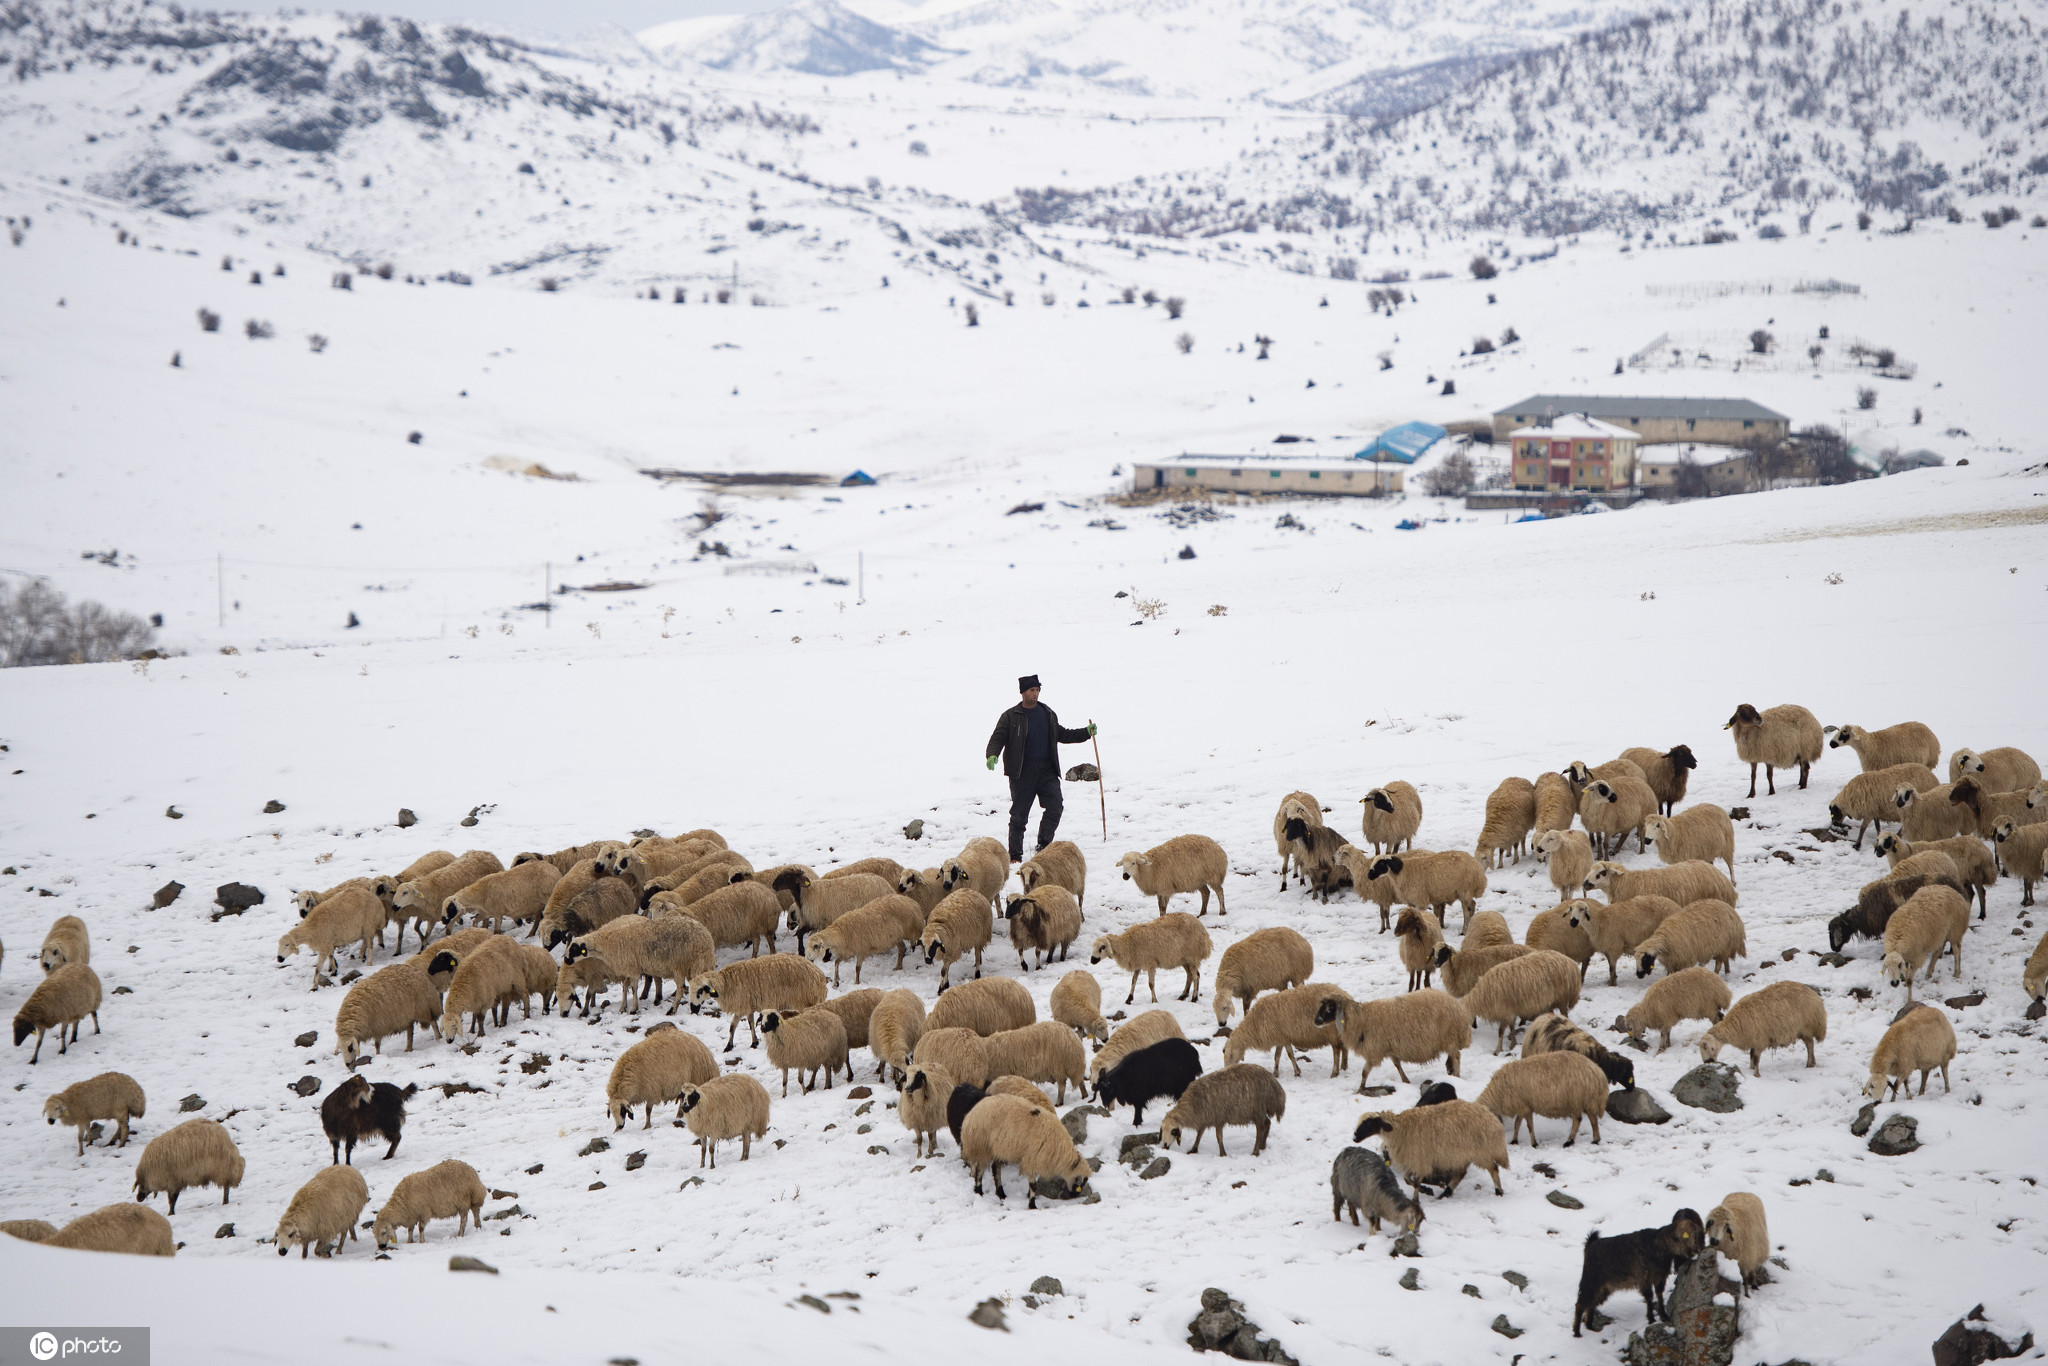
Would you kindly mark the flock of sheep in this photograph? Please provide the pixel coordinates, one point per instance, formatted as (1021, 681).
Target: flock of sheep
(653, 914)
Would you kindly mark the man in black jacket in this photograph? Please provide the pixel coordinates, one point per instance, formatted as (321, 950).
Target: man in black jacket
(1027, 738)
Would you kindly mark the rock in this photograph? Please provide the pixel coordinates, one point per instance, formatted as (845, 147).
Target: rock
(1636, 1107)
(1701, 1332)
(235, 897)
(1407, 1245)
(860, 1093)
(1738, 813)
(1896, 1137)
(1377, 1091)
(1781, 855)
(224, 1231)
(1411, 1279)
(1710, 1086)
(865, 1129)
(813, 1302)
(988, 1314)
(460, 1263)
(174, 813)
(406, 820)
(1635, 1041)
(1469, 1289)
(596, 1145)
(1865, 1117)
(1160, 1166)
(1835, 960)
(1048, 1285)
(914, 830)
(1076, 1125)
(865, 1106)
(1052, 1188)
(1962, 1345)
(165, 895)
(1563, 1201)
(877, 1150)
(539, 1062)
(124, 991)
(307, 1039)
(306, 1086)
(1544, 1170)
(636, 1160)
(468, 820)
(353, 974)
(195, 1101)
(595, 1186)
(536, 1169)
(1504, 1328)
(1975, 998)
(1596, 1320)
(1515, 1279)
(1788, 955)
(272, 807)
(1187, 552)
(1223, 1327)
(1084, 773)
(1133, 1142)
(2037, 1009)
(452, 1089)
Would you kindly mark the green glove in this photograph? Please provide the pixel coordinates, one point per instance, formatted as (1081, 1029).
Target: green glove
(1091, 728)
(991, 763)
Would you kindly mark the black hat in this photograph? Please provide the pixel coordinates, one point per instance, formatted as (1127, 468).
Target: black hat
(1027, 683)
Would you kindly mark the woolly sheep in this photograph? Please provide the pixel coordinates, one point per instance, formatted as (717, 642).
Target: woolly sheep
(1460, 970)
(592, 977)
(1044, 1052)
(2004, 769)
(1077, 1003)
(1570, 855)
(982, 864)
(1047, 919)
(36, 1230)
(633, 947)
(646, 861)
(654, 1072)
(61, 1002)
(1361, 1180)
(1666, 773)
(1878, 899)
(325, 1210)
(387, 884)
(1421, 939)
(424, 894)
(1059, 864)
(565, 859)
(1170, 941)
(887, 923)
(2034, 977)
(520, 893)
(1393, 814)
(1920, 1040)
(1510, 813)
(821, 901)
(2022, 847)
(893, 1029)
(198, 1152)
(1972, 857)
(110, 1095)
(1701, 832)
(593, 908)
(1555, 1085)
(1438, 1144)
(986, 1007)
(1238, 1093)
(1688, 994)
(1616, 930)
(961, 924)
(1185, 863)
(1736, 1229)
(67, 942)
(809, 1042)
(446, 1190)
(356, 1111)
(397, 996)
(1486, 930)
(1933, 919)
(924, 886)
(731, 1106)
(1931, 815)
(1682, 882)
(1417, 1027)
(1552, 929)
(485, 978)
(1020, 1088)
(1702, 932)
(740, 913)
(1556, 1034)
(1580, 777)
(352, 916)
(447, 953)
(1288, 1020)
(1870, 798)
(2028, 806)
(1614, 808)
(126, 1227)
(1139, 1032)
(887, 869)
(376, 886)
(922, 1107)
(743, 990)
(1319, 856)
(1433, 881)
(694, 881)
(1003, 1129)
(579, 876)
(1163, 1069)
(855, 1010)
(1264, 960)
(1909, 742)
(960, 1051)
(1301, 806)
(1556, 804)
(1522, 989)
(1779, 737)
(1358, 862)
(1777, 1016)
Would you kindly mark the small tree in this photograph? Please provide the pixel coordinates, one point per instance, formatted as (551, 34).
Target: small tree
(1150, 297)
(1510, 337)
(1813, 353)
(1482, 345)
(315, 342)
(1828, 455)
(1130, 294)
(1866, 397)
(1175, 305)
(1690, 479)
(1760, 341)
(384, 270)
(1863, 222)
(38, 627)
(549, 284)
(973, 316)
(1386, 360)
(1185, 342)
(255, 329)
(1483, 269)
(209, 321)
(1885, 357)
(1451, 477)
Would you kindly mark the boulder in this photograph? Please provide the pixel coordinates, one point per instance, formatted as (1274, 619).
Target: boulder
(406, 820)
(988, 1314)
(1965, 1345)
(1865, 1117)
(165, 895)
(235, 897)
(1701, 1332)
(1223, 1327)
(1710, 1086)
(460, 1263)
(1636, 1107)
(1048, 1285)
(1896, 1137)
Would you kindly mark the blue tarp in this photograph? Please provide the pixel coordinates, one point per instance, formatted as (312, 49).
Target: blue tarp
(858, 479)
(1404, 443)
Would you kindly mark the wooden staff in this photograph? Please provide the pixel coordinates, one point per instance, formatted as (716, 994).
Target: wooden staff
(1099, 790)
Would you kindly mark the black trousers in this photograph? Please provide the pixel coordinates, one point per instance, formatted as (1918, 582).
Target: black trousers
(1043, 786)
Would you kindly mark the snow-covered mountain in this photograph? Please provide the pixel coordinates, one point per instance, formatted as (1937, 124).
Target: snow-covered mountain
(815, 37)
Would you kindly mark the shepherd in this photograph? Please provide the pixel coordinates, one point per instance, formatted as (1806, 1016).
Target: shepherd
(1027, 738)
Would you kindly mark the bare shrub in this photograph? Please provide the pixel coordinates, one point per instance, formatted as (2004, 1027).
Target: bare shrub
(1828, 455)
(1483, 269)
(1481, 345)
(1130, 294)
(1217, 609)
(37, 627)
(1175, 306)
(1863, 222)
(1151, 609)
(1150, 297)
(316, 343)
(342, 279)
(255, 329)
(759, 300)
(1885, 357)
(973, 315)
(1185, 342)
(1866, 397)
(1451, 477)
(209, 321)
(918, 149)
(384, 270)
(1046, 298)
(1510, 337)
(1760, 341)
(549, 284)
(725, 296)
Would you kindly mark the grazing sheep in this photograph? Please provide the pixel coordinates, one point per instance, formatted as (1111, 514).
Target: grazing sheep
(1417, 1027)
(67, 942)
(593, 908)
(1020, 1088)
(925, 886)
(1264, 960)
(888, 869)
(1570, 855)
(1909, 742)
(1437, 1144)
(61, 1002)
(923, 1106)
(1641, 1260)
(1046, 920)
(1522, 989)
(1613, 809)
(1510, 814)
(565, 859)
(1933, 919)
(1460, 970)
(1185, 863)
(819, 901)
(1059, 864)
(644, 862)
(887, 923)
(1580, 777)
(110, 1095)
(1421, 940)
(963, 923)
(1779, 737)
(1287, 1020)
(446, 1190)
(591, 976)
(1170, 941)
(808, 1042)
(633, 947)
(1920, 1040)
(654, 1072)
(520, 893)
(1666, 773)
(1776, 1016)
(486, 978)
(423, 895)
(1683, 883)
(1554, 1085)
(1556, 1034)
(125, 1227)
(356, 1111)
(1239, 1093)
(694, 881)
(983, 864)
(2022, 848)
(579, 876)
(1077, 1003)
(2004, 769)
(2027, 806)
(1301, 806)
(1703, 932)
(1552, 929)
(1004, 1129)
(195, 1153)
(1358, 862)
(439, 962)
(961, 1052)
(1688, 994)
(1931, 815)
(1877, 900)
(987, 1007)
(1700, 833)
(1737, 1230)
(1556, 804)
(893, 1030)
(1485, 930)
(397, 996)
(2034, 977)
(743, 990)
(1433, 881)
(1871, 798)
(1318, 856)
(1161, 1069)
(1361, 1180)
(1392, 816)
(1044, 1052)
(352, 916)
(855, 1010)
(324, 1210)
(36, 1230)
(1140, 1031)
(1976, 865)
(729, 1106)
(739, 913)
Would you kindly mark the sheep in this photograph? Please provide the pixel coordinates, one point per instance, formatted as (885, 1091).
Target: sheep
(888, 869)
(426, 863)
(1163, 1069)
(1683, 883)
(893, 1030)
(324, 1210)
(519, 893)
(1287, 1020)
(2022, 847)
(565, 859)
(1931, 815)
(37, 1230)
(982, 864)
(855, 1010)
(1552, 929)
(1361, 1180)
(1239, 1093)
(67, 942)
(1020, 1088)
(1570, 855)
(740, 913)
(2034, 977)
(354, 915)
(1556, 804)
(961, 924)
(960, 1051)
(485, 977)
(1580, 777)
(1416, 1027)
(1688, 994)
(1433, 881)
(1438, 1144)
(1556, 1034)
(423, 894)
(742, 990)
(1909, 742)
(690, 874)
(125, 1227)
(1701, 832)
(1919, 1040)
(376, 886)
(397, 996)
(1702, 932)
(1077, 1003)
(923, 1106)
(1140, 1031)
(1460, 970)
(571, 883)
(807, 1043)
(356, 1110)
(1185, 863)
(2028, 806)
(1318, 856)
(1170, 941)
(60, 1001)
(1737, 1230)
(820, 901)
(1522, 989)
(1933, 918)
(1046, 919)
(1421, 939)
(1776, 1016)
(1044, 1052)
(1004, 1129)
(1613, 808)
(1358, 862)
(731, 1106)
(924, 886)
(986, 1007)
(2004, 769)
(1486, 930)
(596, 906)
(1776, 738)
(110, 1095)
(1877, 900)
(1300, 806)
(446, 1190)
(1640, 1260)
(675, 949)
(1059, 864)
(1555, 1085)
(1510, 813)
(1666, 773)
(1264, 960)
(644, 862)
(654, 1072)
(1871, 797)
(439, 962)
(1616, 930)
(198, 1152)
(591, 976)
(886, 923)
(1393, 814)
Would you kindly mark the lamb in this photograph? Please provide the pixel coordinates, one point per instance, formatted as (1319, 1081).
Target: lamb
(324, 1210)
(1552, 929)
(488, 976)
(1047, 919)
(1920, 1040)
(1361, 1180)
(1703, 932)
(894, 1028)
(38, 1230)
(1613, 808)
(1460, 970)
(1909, 742)
(1240, 1093)
(1641, 1260)
(61, 1002)
(1871, 797)
(807, 1043)
(1777, 738)
(1264, 960)
(1570, 855)
(2022, 848)
(1556, 1034)
(1185, 863)
(125, 1227)
(1737, 1230)
(1287, 1020)
(1522, 989)
(1683, 883)
(353, 915)
(1701, 833)
(739, 913)
(1417, 1028)
(1438, 1144)
(961, 924)
(1688, 994)
(731, 1106)
(2034, 977)
(1433, 881)
(1393, 814)
(1776, 1016)
(195, 1153)
(1933, 918)
(1421, 940)
(1170, 941)
(1931, 815)
(1301, 806)
(987, 1007)
(1044, 1052)
(820, 902)
(397, 996)
(884, 924)
(596, 906)
(2004, 769)
(654, 1072)
(423, 895)
(982, 864)
(1059, 864)
(855, 1009)
(446, 1190)
(1140, 1031)
(1555, 1085)
(110, 1095)
(1359, 863)
(1556, 804)
(2028, 806)
(1003, 1129)
(1487, 929)
(1666, 773)
(1077, 1003)
(1510, 814)
(519, 893)
(923, 1106)
(1162, 1069)
(1318, 856)
(565, 859)
(356, 1111)
(743, 990)
(67, 942)
(961, 1052)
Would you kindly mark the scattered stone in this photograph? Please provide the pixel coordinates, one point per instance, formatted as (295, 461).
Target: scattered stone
(452, 1089)
(1469, 1289)
(1975, 998)
(636, 1160)
(195, 1101)
(1377, 1091)
(1962, 1345)
(877, 1150)
(1563, 1201)
(1136, 1149)
(1407, 1245)
(1504, 1328)
(235, 897)
(646, 834)
(690, 1181)
(1701, 1332)
(1896, 1137)
(461, 1263)
(596, 1145)
(1738, 813)
(1710, 1086)
(224, 1231)
(352, 975)
(537, 1063)
(468, 820)
(815, 1303)
(1635, 1041)
(1515, 1279)
(1781, 854)
(1052, 1188)
(509, 1212)
(174, 813)
(595, 1186)
(914, 830)
(1048, 1285)
(165, 895)
(1596, 1320)
(988, 1314)
(1860, 993)
(1545, 1170)
(2037, 1009)
(506, 1195)
(865, 1129)
(124, 991)
(1084, 773)
(1160, 1166)
(1411, 1279)
(307, 1039)
(1824, 1175)
(1223, 1327)
(1076, 1125)
(536, 1169)
(1788, 955)
(272, 807)
(1800, 1181)
(1636, 1107)
(860, 1093)
(1835, 960)
(406, 820)
(306, 1086)
(1823, 834)
(865, 1106)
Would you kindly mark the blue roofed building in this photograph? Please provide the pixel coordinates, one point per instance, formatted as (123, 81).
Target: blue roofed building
(1403, 444)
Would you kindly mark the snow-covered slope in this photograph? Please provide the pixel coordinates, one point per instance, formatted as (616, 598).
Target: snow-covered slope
(814, 37)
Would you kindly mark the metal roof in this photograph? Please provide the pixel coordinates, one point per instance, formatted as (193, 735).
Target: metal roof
(1405, 442)
(1623, 408)
(1577, 425)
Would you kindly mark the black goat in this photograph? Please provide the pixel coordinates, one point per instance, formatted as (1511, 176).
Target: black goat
(1164, 1069)
(356, 1110)
(965, 1096)
(1641, 1260)
(1875, 903)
